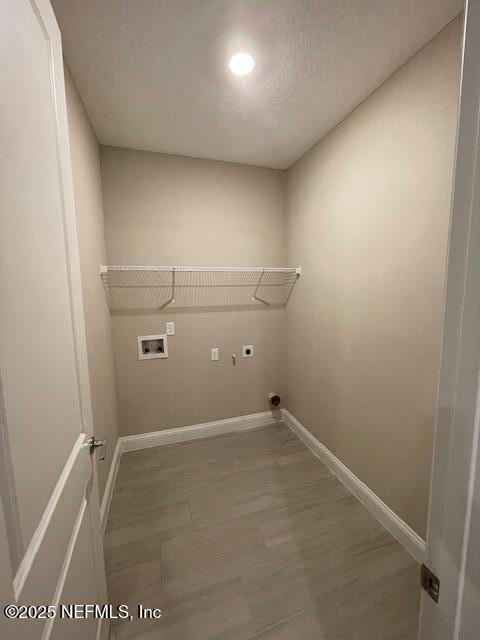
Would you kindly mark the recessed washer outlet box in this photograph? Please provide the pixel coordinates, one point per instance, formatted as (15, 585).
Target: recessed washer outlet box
(151, 347)
(247, 351)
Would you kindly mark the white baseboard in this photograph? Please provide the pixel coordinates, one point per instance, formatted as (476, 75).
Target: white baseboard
(108, 492)
(388, 518)
(196, 431)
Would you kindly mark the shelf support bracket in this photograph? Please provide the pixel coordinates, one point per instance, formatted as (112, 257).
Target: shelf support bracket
(255, 297)
(172, 296)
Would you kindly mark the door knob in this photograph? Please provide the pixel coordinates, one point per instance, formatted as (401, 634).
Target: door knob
(96, 444)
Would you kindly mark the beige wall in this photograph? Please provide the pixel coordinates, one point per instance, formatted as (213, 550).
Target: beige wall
(162, 209)
(90, 228)
(368, 214)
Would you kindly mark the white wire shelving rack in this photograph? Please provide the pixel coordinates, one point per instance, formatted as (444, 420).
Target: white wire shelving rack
(157, 287)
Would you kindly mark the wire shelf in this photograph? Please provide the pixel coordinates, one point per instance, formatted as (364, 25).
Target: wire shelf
(147, 287)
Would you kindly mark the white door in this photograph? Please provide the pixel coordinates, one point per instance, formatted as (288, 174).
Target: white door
(453, 537)
(50, 541)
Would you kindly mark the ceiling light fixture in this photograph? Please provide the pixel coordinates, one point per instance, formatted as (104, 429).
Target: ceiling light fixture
(241, 64)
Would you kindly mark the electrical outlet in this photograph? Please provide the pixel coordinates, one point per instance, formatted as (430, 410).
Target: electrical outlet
(170, 327)
(247, 351)
(215, 354)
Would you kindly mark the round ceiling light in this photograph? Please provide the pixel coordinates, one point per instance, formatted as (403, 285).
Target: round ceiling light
(241, 64)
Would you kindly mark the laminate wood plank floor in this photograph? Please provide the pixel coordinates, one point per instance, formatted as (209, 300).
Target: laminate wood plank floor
(249, 536)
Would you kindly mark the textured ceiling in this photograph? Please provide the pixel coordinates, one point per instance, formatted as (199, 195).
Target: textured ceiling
(153, 73)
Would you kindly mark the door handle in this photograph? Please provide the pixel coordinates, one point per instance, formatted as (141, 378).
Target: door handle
(94, 444)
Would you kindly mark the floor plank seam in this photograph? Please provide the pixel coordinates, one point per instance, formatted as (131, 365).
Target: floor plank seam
(206, 524)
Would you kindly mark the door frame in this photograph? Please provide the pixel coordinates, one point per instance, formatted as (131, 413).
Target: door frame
(449, 532)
